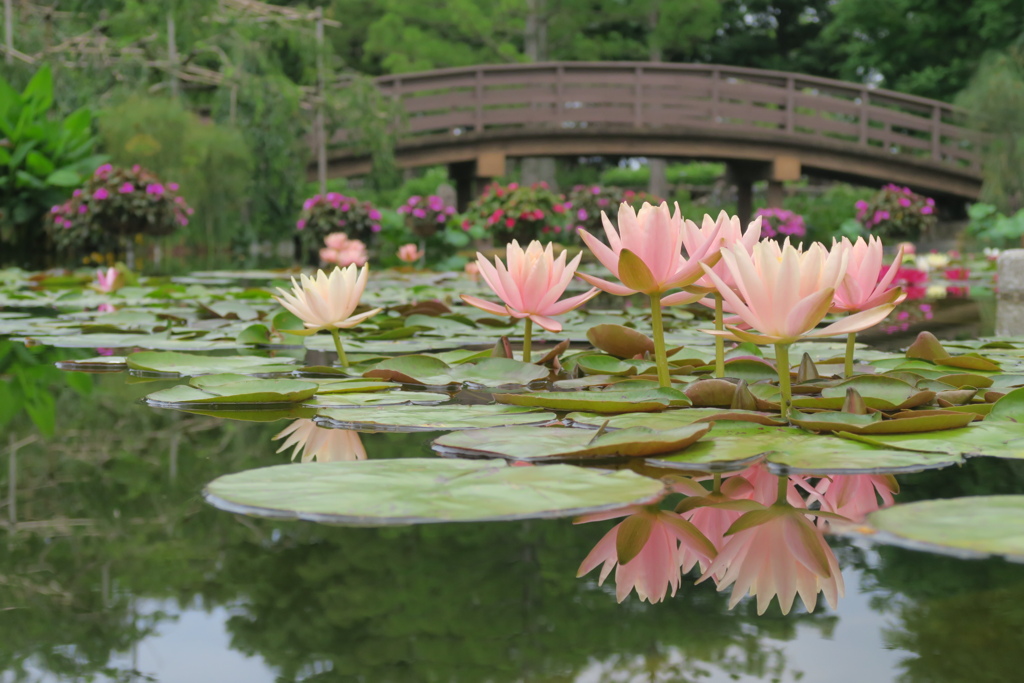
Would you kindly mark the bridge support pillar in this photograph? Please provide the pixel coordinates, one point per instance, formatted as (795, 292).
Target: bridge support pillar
(776, 193)
(742, 174)
(462, 175)
(658, 183)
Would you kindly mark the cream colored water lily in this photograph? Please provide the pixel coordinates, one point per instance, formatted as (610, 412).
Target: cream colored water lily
(782, 292)
(529, 287)
(326, 302)
(312, 442)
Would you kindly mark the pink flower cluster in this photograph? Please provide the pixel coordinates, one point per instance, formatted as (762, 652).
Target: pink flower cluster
(341, 250)
(781, 223)
(334, 210)
(431, 209)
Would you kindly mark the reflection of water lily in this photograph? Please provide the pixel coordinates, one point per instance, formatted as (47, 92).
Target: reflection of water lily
(319, 443)
(855, 495)
(777, 551)
(649, 540)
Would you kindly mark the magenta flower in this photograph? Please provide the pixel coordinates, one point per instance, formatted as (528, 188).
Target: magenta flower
(155, 189)
(374, 215)
(300, 224)
(127, 188)
(173, 187)
(100, 194)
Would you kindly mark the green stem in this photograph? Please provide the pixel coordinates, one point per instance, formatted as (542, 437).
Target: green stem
(851, 341)
(718, 483)
(783, 490)
(782, 364)
(337, 347)
(719, 341)
(660, 354)
(527, 340)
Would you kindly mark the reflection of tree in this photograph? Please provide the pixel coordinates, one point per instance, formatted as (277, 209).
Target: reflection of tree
(961, 620)
(446, 602)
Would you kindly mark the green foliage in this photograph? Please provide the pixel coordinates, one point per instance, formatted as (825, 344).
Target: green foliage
(695, 173)
(621, 176)
(826, 213)
(41, 159)
(209, 161)
(992, 228)
(897, 213)
(995, 98)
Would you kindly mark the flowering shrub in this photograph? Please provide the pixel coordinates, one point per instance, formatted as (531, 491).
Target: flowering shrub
(115, 203)
(425, 215)
(897, 212)
(518, 212)
(340, 250)
(323, 215)
(586, 202)
(781, 223)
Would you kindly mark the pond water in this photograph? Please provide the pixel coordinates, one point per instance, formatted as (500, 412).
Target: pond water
(116, 568)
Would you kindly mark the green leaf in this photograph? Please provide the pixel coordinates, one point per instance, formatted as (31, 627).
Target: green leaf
(234, 392)
(620, 341)
(635, 274)
(1010, 408)
(643, 400)
(632, 536)
(430, 418)
(420, 491)
(379, 398)
(961, 526)
(561, 443)
(185, 364)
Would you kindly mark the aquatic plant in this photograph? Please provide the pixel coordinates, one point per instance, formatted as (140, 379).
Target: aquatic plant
(340, 250)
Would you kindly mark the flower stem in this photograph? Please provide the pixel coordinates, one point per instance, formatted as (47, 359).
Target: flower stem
(783, 490)
(719, 341)
(851, 341)
(527, 340)
(718, 483)
(782, 365)
(660, 354)
(337, 347)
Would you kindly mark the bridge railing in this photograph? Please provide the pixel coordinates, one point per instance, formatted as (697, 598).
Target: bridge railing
(645, 95)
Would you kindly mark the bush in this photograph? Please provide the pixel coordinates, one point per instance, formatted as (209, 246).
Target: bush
(586, 202)
(992, 228)
(518, 212)
(695, 173)
(830, 213)
(897, 213)
(114, 205)
(323, 215)
(626, 177)
(41, 160)
(781, 223)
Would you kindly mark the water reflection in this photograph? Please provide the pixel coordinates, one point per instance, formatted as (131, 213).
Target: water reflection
(312, 442)
(761, 534)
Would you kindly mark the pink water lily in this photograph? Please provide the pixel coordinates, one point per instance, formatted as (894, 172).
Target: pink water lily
(784, 555)
(645, 253)
(855, 495)
(867, 283)
(107, 280)
(305, 438)
(729, 231)
(651, 543)
(529, 286)
(409, 253)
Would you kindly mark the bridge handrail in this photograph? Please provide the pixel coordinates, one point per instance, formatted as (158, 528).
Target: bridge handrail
(462, 100)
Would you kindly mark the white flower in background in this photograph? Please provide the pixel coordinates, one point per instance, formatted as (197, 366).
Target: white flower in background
(992, 253)
(319, 443)
(932, 261)
(935, 292)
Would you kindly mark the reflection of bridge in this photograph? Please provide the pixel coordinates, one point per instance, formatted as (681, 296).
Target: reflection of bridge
(767, 124)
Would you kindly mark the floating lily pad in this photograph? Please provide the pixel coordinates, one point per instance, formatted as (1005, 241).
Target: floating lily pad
(97, 364)
(882, 393)
(430, 371)
(971, 526)
(619, 341)
(379, 398)
(430, 418)
(561, 443)
(828, 455)
(642, 400)
(934, 420)
(421, 491)
(248, 391)
(1009, 408)
(187, 364)
(673, 419)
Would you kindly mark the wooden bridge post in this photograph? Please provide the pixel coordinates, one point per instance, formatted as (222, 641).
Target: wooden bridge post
(936, 133)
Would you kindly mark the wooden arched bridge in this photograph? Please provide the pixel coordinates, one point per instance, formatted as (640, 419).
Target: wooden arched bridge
(767, 124)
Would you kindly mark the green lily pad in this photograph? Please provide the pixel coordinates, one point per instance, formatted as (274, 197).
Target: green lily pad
(188, 364)
(379, 398)
(642, 400)
(256, 392)
(430, 371)
(431, 418)
(1009, 408)
(829, 455)
(969, 526)
(420, 491)
(562, 443)
(672, 419)
(935, 420)
(609, 365)
(882, 393)
(619, 341)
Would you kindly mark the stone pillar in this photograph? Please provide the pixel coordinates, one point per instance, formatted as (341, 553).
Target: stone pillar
(744, 198)
(1010, 304)
(776, 193)
(658, 183)
(462, 175)
(537, 170)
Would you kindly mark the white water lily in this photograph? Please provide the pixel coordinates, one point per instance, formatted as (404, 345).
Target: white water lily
(305, 438)
(326, 302)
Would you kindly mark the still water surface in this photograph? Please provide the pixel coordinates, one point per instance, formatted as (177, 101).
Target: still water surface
(114, 568)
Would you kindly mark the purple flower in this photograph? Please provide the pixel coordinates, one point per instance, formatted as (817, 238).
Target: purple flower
(435, 203)
(414, 200)
(861, 204)
(183, 221)
(595, 190)
(300, 225)
(904, 202)
(333, 196)
(55, 209)
(449, 210)
(155, 189)
(441, 218)
(103, 170)
(375, 228)
(127, 188)
(419, 213)
(82, 208)
(307, 205)
(403, 209)
(582, 215)
(76, 193)
(136, 168)
(927, 210)
(374, 215)
(173, 187)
